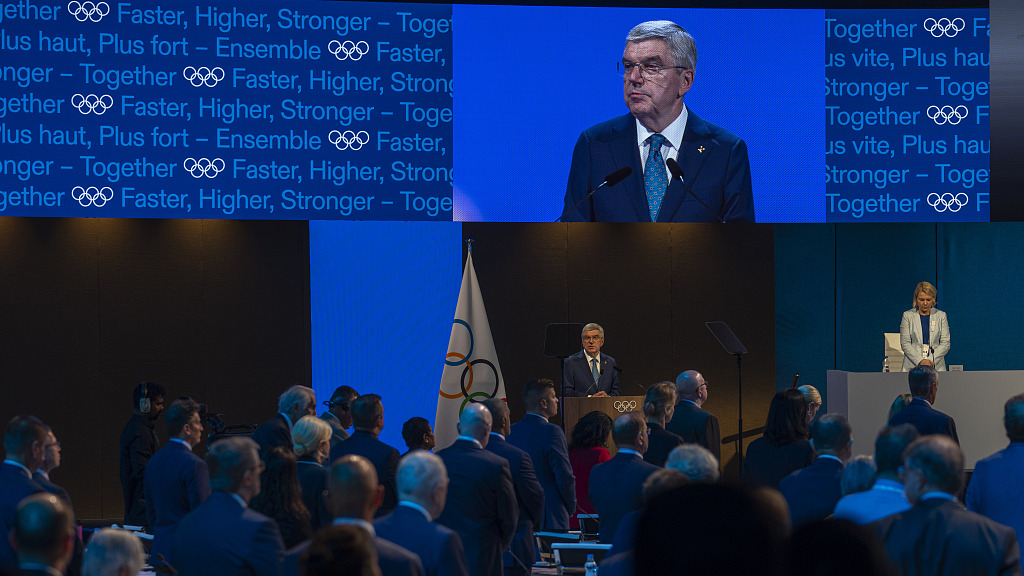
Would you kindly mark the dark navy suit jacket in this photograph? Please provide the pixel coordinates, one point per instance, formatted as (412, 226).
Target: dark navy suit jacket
(926, 419)
(812, 492)
(940, 538)
(383, 457)
(392, 559)
(661, 443)
(483, 508)
(313, 481)
(545, 443)
(767, 465)
(223, 538)
(697, 426)
(714, 163)
(438, 547)
(616, 489)
(995, 491)
(273, 433)
(530, 497)
(15, 485)
(177, 482)
(578, 376)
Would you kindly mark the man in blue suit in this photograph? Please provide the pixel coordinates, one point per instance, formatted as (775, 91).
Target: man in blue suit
(44, 535)
(223, 536)
(355, 496)
(588, 372)
(24, 451)
(422, 493)
(529, 493)
(658, 69)
(485, 511)
(691, 421)
(616, 486)
(924, 386)
(545, 443)
(368, 420)
(177, 481)
(812, 492)
(296, 402)
(993, 491)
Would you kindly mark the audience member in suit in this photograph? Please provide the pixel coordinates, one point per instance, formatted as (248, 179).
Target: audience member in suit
(784, 447)
(697, 463)
(51, 461)
(657, 483)
(368, 419)
(588, 372)
(659, 406)
(859, 475)
(339, 413)
(937, 536)
(545, 443)
(355, 495)
(223, 536)
(994, 490)
(25, 450)
(294, 403)
(835, 548)
(812, 492)
(616, 486)
(711, 530)
(340, 550)
(43, 535)
(311, 441)
(529, 494)
(690, 420)
(418, 434)
(280, 497)
(588, 448)
(113, 552)
(924, 386)
(813, 398)
(486, 512)
(886, 495)
(138, 444)
(422, 493)
(177, 481)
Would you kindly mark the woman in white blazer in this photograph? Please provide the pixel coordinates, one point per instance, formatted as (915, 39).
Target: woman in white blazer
(915, 346)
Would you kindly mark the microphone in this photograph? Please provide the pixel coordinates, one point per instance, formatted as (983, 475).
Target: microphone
(677, 172)
(609, 180)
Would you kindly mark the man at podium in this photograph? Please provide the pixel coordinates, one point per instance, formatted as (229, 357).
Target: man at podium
(588, 372)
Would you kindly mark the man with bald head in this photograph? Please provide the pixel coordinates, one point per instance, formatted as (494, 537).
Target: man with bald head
(43, 535)
(485, 512)
(691, 421)
(938, 537)
(24, 451)
(616, 486)
(354, 497)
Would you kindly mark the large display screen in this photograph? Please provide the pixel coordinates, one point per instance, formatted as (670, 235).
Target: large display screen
(348, 110)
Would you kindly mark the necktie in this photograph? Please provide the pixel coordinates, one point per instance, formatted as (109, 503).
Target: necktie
(594, 370)
(655, 179)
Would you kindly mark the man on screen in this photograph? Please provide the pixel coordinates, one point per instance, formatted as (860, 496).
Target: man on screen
(657, 69)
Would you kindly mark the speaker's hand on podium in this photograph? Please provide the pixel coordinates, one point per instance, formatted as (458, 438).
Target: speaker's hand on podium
(601, 394)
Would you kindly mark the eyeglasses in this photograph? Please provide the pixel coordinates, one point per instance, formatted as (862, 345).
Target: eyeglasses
(648, 71)
(592, 338)
(57, 444)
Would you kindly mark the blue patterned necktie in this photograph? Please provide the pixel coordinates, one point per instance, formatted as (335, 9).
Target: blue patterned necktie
(593, 370)
(655, 178)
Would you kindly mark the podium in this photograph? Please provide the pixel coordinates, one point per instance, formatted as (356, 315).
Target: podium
(575, 408)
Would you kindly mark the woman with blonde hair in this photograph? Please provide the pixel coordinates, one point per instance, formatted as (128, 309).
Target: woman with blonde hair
(924, 331)
(659, 407)
(311, 441)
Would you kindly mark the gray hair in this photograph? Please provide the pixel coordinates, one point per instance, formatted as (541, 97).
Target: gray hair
(308, 433)
(229, 459)
(696, 462)
(419, 475)
(811, 394)
(296, 394)
(858, 475)
(684, 49)
(109, 550)
(593, 326)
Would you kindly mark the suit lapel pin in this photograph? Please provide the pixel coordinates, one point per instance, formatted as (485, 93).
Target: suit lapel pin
(700, 149)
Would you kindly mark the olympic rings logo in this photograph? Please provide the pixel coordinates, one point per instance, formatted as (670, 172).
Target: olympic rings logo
(947, 201)
(91, 103)
(203, 76)
(947, 114)
(92, 196)
(203, 167)
(943, 26)
(468, 372)
(349, 140)
(624, 405)
(83, 11)
(348, 49)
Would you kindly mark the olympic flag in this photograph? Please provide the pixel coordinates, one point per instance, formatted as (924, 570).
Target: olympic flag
(471, 370)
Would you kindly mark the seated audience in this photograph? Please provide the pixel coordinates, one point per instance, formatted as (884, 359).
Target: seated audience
(280, 497)
(886, 495)
(659, 406)
(311, 442)
(899, 404)
(784, 447)
(812, 492)
(690, 421)
(418, 434)
(588, 448)
(294, 403)
(924, 386)
(113, 552)
(696, 462)
(995, 490)
(858, 475)
(368, 421)
(813, 398)
(25, 450)
(43, 535)
(340, 551)
(616, 486)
